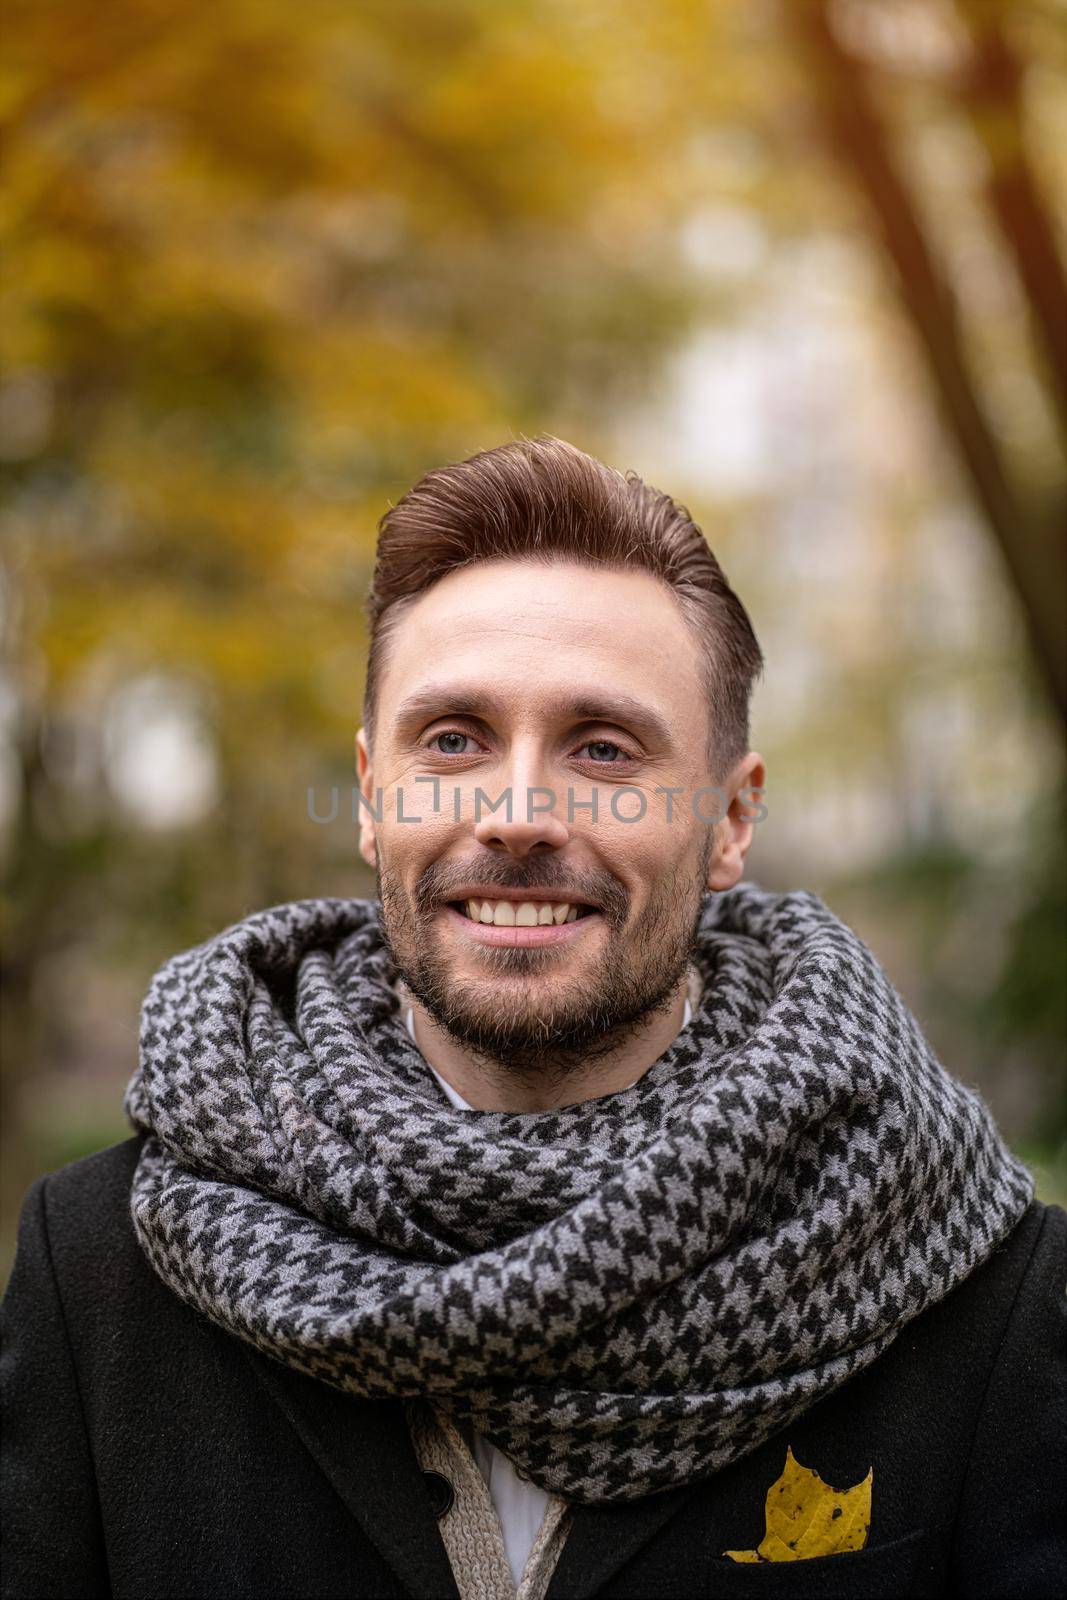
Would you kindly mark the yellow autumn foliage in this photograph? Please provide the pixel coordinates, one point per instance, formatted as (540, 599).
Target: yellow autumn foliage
(806, 1517)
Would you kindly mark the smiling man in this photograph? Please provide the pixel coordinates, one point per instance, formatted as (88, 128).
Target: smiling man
(575, 1218)
(542, 913)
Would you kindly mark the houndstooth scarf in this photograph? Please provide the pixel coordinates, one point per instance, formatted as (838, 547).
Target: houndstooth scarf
(622, 1295)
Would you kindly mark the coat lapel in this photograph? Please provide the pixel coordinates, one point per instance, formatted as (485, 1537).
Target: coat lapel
(364, 1448)
(603, 1538)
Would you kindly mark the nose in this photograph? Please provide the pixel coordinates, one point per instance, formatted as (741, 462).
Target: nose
(528, 828)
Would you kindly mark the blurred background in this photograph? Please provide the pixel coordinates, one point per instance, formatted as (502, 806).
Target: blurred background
(798, 263)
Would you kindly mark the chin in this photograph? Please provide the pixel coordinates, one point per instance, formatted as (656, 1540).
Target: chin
(516, 993)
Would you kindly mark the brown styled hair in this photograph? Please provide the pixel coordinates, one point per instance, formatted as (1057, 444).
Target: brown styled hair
(544, 500)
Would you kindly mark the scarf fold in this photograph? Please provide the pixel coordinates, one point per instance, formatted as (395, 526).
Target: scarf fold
(623, 1294)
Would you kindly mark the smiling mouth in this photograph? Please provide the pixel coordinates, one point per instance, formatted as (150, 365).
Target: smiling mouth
(521, 913)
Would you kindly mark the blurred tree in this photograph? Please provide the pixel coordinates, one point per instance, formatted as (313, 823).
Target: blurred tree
(265, 265)
(1031, 531)
(991, 90)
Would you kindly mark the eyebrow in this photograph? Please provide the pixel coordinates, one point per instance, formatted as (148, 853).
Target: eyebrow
(587, 706)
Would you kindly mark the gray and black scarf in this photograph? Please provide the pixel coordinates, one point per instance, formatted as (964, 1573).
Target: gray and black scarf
(622, 1295)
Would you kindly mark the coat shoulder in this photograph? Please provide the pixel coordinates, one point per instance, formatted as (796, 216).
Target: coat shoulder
(77, 1219)
(1009, 1537)
(91, 1196)
(1049, 1255)
(1031, 1259)
(1014, 1284)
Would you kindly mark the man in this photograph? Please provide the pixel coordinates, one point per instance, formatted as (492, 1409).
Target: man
(576, 1219)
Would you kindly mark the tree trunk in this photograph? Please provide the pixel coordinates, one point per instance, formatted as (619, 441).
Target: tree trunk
(1033, 543)
(993, 100)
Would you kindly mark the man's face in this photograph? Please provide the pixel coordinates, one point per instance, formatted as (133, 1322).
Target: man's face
(542, 938)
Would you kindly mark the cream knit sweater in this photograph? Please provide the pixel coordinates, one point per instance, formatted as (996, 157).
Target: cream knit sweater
(471, 1528)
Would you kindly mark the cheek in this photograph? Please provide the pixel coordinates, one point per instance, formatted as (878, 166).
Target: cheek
(650, 847)
(408, 846)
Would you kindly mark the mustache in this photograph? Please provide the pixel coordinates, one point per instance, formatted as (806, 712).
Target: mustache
(442, 882)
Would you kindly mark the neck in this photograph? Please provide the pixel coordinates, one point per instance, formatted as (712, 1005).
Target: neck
(488, 1085)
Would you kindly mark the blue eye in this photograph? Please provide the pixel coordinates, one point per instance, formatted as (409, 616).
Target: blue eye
(450, 749)
(603, 750)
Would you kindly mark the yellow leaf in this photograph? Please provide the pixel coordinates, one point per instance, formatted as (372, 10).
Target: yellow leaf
(806, 1518)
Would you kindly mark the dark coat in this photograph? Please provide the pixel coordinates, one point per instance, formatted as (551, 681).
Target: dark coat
(149, 1454)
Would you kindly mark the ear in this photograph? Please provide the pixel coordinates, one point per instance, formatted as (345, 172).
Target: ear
(734, 833)
(368, 844)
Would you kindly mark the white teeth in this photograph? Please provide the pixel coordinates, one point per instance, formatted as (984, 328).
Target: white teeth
(527, 914)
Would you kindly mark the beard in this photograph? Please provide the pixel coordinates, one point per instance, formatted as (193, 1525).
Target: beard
(527, 1016)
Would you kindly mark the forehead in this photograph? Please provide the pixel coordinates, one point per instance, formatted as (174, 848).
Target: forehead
(536, 631)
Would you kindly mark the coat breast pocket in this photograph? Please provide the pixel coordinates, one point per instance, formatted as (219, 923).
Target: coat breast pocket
(877, 1572)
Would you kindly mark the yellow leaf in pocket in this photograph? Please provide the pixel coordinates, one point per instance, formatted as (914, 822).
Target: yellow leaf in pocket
(805, 1517)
